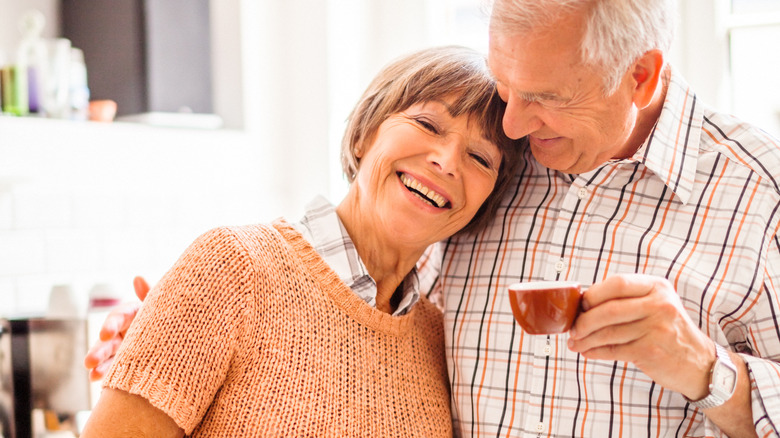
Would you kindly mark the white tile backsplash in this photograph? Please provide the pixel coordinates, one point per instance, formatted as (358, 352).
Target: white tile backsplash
(86, 203)
(41, 206)
(6, 209)
(73, 250)
(22, 252)
(7, 295)
(99, 210)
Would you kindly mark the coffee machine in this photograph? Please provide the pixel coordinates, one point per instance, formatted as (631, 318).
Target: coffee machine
(43, 383)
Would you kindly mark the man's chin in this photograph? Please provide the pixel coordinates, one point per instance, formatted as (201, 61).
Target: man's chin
(573, 168)
(554, 162)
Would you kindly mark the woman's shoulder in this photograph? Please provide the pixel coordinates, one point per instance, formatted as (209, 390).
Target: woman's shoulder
(249, 236)
(428, 311)
(245, 231)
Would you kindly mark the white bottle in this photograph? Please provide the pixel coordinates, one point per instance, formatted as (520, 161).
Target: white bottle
(32, 58)
(56, 101)
(63, 303)
(78, 90)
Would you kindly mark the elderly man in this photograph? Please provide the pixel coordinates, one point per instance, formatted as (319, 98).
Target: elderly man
(667, 208)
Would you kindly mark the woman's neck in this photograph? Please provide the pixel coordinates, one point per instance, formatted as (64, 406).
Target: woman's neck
(387, 259)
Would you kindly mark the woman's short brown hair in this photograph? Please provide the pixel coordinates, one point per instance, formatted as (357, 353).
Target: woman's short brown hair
(451, 72)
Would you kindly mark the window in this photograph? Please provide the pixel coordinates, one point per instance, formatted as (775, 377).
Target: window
(754, 34)
(724, 48)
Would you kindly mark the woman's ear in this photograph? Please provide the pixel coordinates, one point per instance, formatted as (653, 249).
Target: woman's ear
(646, 73)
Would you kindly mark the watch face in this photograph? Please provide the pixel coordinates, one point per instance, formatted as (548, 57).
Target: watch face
(724, 379)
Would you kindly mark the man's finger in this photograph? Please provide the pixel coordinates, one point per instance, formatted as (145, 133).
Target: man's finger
(118, 321)
(617, 287)
(141, 287)
(611, 317)
(98, 372)
(101, 352)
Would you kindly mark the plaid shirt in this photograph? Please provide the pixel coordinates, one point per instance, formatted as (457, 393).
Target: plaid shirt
(697, 204)
(323, 229)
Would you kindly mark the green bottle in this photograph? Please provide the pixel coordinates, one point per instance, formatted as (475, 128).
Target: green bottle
(15, 101)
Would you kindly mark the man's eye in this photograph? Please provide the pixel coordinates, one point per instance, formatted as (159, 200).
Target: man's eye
(552, 103)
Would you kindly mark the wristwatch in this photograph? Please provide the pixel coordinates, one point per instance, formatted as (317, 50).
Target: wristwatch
(723, 381)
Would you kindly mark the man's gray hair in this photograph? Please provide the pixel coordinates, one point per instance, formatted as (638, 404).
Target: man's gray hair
(618, 31)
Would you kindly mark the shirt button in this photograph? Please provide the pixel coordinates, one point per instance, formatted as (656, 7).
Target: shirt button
(559, 265)
(582, 193)
(547, 350)
(540, 427)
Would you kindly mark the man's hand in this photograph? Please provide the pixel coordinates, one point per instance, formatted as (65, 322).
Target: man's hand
(101, 355)
(640, 319)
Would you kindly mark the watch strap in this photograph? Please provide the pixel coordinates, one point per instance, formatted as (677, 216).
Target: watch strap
(713, 400)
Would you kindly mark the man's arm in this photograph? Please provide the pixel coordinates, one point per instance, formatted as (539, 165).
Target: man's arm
(99, 358)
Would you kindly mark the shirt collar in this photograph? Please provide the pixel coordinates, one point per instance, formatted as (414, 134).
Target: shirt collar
(671, 150)
(323, 229)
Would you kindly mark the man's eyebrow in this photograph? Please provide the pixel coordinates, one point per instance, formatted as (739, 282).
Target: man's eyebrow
(535, 97)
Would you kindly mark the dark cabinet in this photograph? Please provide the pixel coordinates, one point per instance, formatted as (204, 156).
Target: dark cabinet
(147, 55)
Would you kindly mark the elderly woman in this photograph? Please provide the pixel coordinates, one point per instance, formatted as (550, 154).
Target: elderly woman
(318, 328)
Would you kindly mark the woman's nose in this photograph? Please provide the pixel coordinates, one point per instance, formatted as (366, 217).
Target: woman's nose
(520, 118)
(447, 157)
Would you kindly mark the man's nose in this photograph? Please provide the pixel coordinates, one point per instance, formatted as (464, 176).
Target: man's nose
(520, 118)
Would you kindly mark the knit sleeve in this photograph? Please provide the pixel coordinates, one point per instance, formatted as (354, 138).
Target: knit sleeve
(179, 349)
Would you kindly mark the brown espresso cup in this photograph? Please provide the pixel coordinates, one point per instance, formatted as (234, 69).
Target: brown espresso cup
(545, 307)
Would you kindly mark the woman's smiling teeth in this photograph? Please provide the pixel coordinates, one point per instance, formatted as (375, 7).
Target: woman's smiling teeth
(423, 192)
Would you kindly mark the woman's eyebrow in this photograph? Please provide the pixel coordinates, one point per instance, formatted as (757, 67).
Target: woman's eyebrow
(444, 104)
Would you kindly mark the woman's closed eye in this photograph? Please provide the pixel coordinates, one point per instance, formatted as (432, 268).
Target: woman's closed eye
(484, 162)
(427, 125)
(481, 160)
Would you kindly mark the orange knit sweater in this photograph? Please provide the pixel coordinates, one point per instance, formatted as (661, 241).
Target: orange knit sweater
(251, 334)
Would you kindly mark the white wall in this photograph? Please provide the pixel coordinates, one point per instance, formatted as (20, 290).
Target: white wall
(700, 49)
(11, 10)
(286, 94)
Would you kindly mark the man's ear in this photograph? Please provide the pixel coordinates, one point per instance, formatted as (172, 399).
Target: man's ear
(646, 73)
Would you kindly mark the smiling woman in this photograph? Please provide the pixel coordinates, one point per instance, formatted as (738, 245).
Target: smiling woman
(425, 176)
(451, 90)
(320, 326)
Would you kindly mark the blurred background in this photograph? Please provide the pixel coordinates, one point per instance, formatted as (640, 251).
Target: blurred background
(231, 112)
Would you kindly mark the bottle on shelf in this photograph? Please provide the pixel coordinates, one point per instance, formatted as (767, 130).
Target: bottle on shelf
(78, 90)
(31, 58)
(14, 84)
(57, 100)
